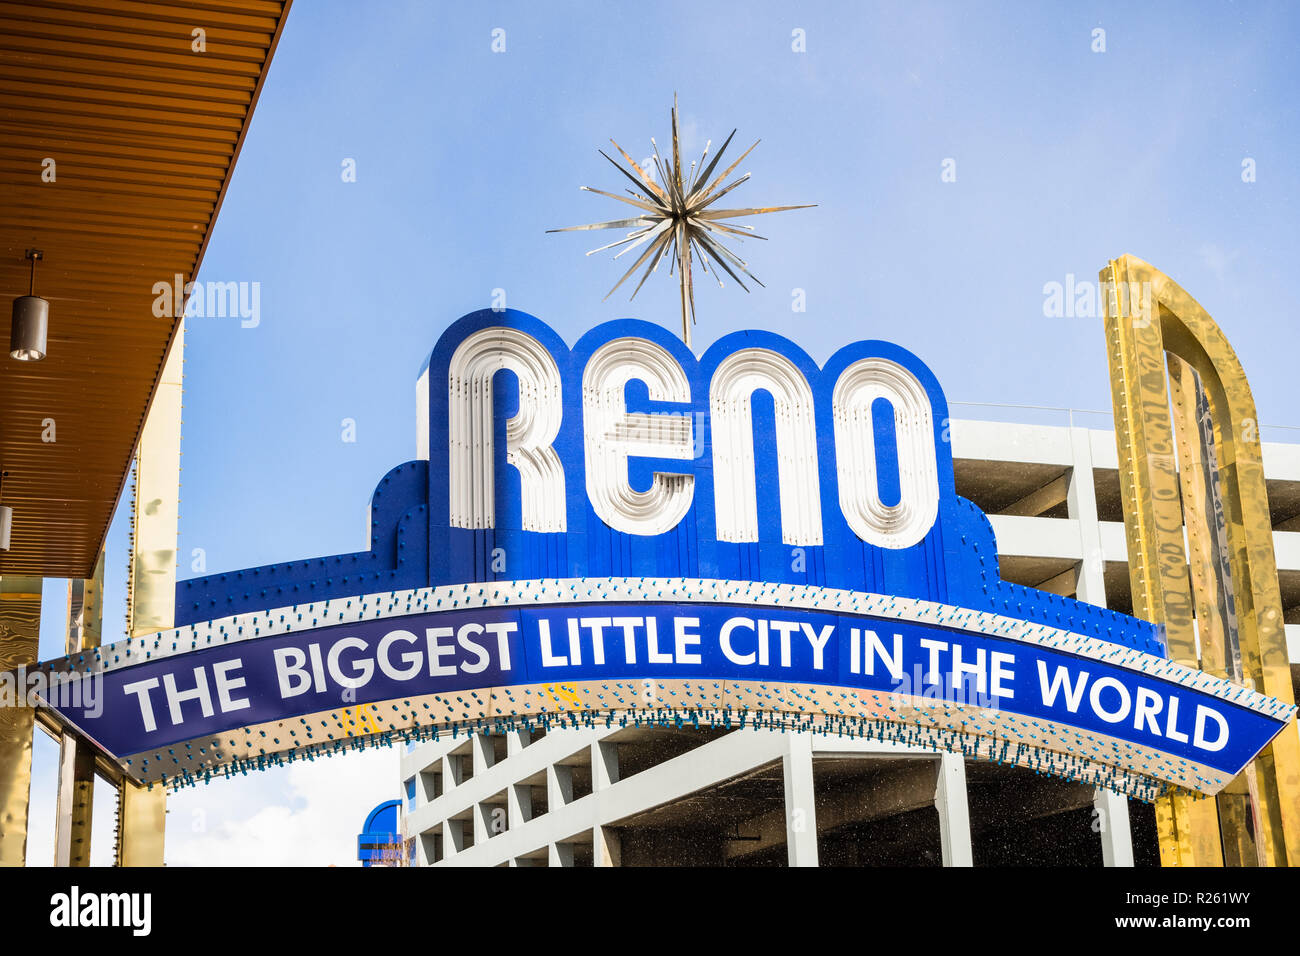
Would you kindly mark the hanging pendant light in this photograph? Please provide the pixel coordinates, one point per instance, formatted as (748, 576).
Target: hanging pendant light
(6, 518)
(31, 320)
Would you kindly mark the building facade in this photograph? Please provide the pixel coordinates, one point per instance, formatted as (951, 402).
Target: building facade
(634, 796)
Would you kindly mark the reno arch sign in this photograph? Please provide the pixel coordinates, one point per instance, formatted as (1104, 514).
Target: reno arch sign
(623, 532)
(863, 383)
(653, 436)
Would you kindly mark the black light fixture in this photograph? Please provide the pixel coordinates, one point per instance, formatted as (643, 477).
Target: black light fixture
(6, 517)
(31, 320)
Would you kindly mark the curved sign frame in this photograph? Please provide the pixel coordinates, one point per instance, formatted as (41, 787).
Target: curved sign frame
(623, 533)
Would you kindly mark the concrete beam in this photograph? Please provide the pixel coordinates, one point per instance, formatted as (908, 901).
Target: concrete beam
(1034, 798)
(1043, 499)
(1037, 538)
(1065, 583)
(890, 793)
(713, 763)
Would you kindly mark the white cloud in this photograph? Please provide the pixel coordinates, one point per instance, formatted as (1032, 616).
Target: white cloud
(1217, 259)
(305, 814)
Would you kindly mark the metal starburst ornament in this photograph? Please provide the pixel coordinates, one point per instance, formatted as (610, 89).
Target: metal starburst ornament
(678, 221)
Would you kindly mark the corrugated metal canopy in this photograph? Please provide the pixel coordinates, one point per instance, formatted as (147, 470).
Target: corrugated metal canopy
(142, 131)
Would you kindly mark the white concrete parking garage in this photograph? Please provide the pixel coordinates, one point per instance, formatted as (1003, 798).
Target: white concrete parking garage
(664, 796)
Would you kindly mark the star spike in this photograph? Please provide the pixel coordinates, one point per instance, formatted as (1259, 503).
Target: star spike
(678, 221)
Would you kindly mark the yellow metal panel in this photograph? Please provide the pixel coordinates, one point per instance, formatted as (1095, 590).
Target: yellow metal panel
(1207, 593)
(76, 802)
(151, 599)
(20, 625)
(142, 823)
(1153, 519)
(86, 610)
(1147, 314)
(76, 797)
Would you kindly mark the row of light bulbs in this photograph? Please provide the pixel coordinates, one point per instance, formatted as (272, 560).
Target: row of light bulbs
(28, 333)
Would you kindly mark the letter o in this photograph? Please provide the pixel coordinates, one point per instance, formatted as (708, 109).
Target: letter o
(856, 390)
(1094, 696)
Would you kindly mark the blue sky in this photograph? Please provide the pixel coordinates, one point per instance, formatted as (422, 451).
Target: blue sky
(1065, 157)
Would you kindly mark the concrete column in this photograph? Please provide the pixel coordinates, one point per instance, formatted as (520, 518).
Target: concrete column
(453, 838)
(482, 815)
(516, 741)
(450, 772)
(424, 849)
(606, 846)
(1112, 808)
(604, 765)
(429, 785)
(1081, 504)
(560, 854)
(559, 786)
(484, 754)
(954, 812)
(800, 810)
(519, 805)
(1111, 819)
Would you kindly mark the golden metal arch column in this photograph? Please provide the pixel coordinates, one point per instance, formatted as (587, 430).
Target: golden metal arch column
(20, 626)
(76, 796)
(151, 594)
(1220, 605)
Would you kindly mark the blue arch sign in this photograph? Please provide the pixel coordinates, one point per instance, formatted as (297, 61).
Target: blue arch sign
(621, 532)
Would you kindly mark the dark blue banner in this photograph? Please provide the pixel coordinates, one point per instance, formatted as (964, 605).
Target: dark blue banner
(162, 702)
